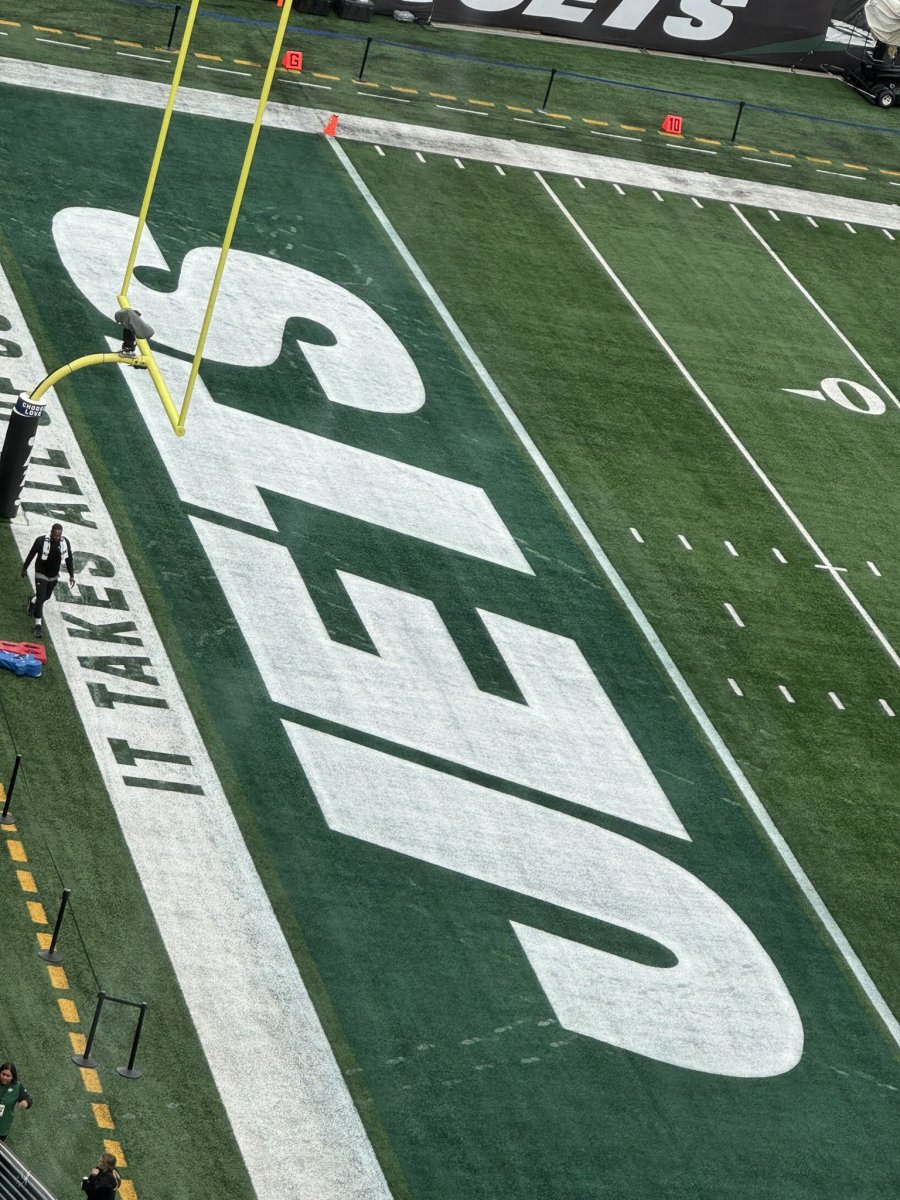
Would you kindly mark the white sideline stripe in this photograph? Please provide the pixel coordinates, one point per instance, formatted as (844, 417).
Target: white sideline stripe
(873, 569)
(257, 1027)
(728, 760)
(687, 545)
(731, 550)
(778, 554)
(637, 537)
(887, 708)
(836, 701)
(470, 146)
(734, 686)
(815, 304)
(637, 615)
(787, 695)
(732, 612)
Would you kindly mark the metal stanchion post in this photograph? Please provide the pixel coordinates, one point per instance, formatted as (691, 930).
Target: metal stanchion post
(6, 817)
(85, 1060)
(51, 954)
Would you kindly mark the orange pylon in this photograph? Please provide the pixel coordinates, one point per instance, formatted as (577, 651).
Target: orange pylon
(331, 128)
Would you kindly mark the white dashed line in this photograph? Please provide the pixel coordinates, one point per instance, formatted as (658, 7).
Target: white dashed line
(473, 112)
(376, 96)
(620, 137)
(841, 174)
(459, 164)
(420, 156)
(223, 70)
(499, 169)
(773, 215)
(734, 687)
(815, 224)
(836, 701)
(849, 227)
(768, 162)
(729, 608)
(659, 197)
(145, 57)
(731, 550)
(687, 545)
(887, 233)
(696, 201)
(379, 151)
(787, 695)
(323, 87)
(54, 42)
(620, 191)
(690, 149)
(873, 569)
(887, 708)
(778, 554)
(546, 124)
(637, 537)
(578, 183)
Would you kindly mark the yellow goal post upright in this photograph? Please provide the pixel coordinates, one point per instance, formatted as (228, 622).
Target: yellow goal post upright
(177, 416)
(29, 408)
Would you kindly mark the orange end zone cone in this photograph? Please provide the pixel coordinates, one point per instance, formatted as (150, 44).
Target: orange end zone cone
(331, 128)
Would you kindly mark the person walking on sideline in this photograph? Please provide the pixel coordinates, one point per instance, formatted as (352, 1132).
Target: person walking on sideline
(12, 1096)
(51, 552)
(103, 1181)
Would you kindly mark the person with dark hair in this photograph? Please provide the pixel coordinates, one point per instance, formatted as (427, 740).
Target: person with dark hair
(12, 1096)
(51, 552)
(103, 1181)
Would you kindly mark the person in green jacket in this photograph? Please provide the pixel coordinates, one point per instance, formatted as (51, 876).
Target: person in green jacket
(12, 1096)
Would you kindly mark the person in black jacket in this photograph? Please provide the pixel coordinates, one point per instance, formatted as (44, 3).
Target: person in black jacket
(103, 1181)
(51, 552)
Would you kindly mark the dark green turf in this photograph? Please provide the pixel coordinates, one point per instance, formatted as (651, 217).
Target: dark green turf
(407, 956)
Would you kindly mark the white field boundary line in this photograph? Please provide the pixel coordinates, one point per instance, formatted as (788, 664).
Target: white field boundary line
(823, 558)
(705, 724)
(815, 304)
(452, 144)
(250, 1008)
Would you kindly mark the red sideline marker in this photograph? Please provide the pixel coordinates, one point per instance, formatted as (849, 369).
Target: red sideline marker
(293, 60)
(672, 124)
(331, 127)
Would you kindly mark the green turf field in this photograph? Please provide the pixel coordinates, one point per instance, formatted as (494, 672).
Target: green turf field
(522, 612)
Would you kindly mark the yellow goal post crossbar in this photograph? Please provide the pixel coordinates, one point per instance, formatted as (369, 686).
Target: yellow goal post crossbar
(177, 416)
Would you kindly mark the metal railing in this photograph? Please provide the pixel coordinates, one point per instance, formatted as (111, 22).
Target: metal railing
(17, 1182)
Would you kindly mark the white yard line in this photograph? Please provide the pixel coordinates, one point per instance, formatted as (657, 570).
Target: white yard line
(680, 683)
(253, 1016)
(873, 374)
